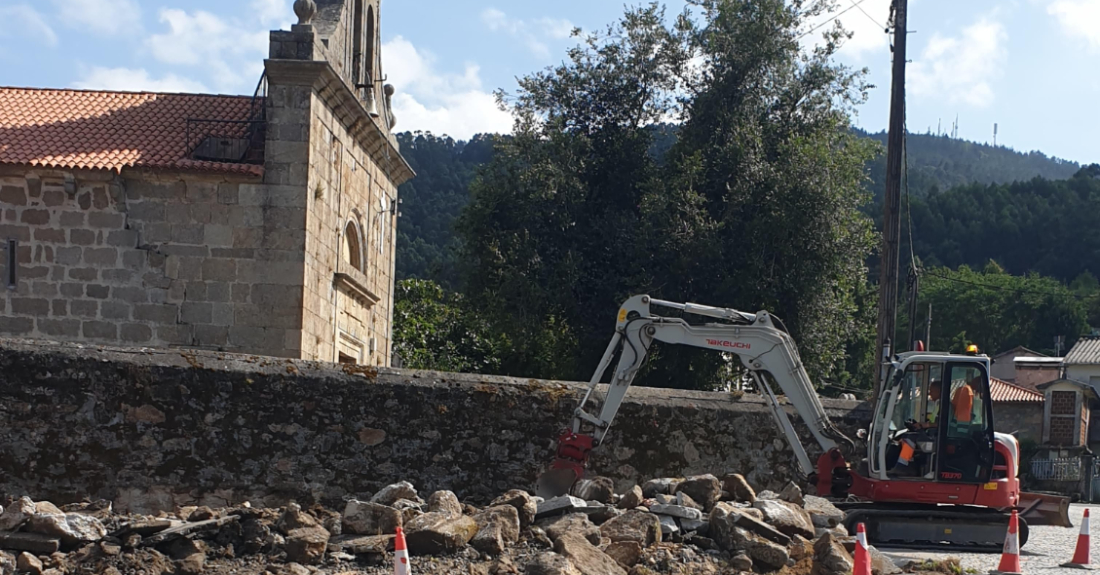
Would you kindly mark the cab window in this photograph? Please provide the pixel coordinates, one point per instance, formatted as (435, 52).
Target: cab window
(967, 430)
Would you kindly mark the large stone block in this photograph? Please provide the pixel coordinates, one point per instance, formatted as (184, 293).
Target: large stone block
(99, 330)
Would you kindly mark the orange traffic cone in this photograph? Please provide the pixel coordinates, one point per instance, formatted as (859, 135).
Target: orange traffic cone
(401, 564)
(1010, 558)
(863, 555)
(1081, 554)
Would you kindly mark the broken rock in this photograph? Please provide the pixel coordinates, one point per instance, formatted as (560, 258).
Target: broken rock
(497, 528)
(668, 525)
(677, 511)
(705, 489)
(725, 517)
(831, 558)
(17, 514)
(738, 488)
(787, 517)
(390, 494)
(369, 518)
(664, 485)
(71, 528)
(307, 545)
(625, 553)
(578, 523)
(633, 525)
(792, 494)
(632, 498)
(822, 512)
(445, 502)
(741, 562)
(439, 533)
(559, 505)
(522, 501)
(764, 552)
(587, 558)
(550, 564)
(7, 563)
(28, 563)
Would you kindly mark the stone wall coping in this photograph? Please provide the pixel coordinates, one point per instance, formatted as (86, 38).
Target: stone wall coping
(243, 364)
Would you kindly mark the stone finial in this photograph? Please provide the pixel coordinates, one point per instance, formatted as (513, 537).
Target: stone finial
(388, 90)
(306, 10)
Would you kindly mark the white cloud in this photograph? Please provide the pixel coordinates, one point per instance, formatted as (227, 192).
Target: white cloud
(105, 17)
(21, 20)
(1079, 18)
(274, 12)
(867, 26)
(231, 52)
(961, 69)
(533, 35)
(135, 80)
(443, 103)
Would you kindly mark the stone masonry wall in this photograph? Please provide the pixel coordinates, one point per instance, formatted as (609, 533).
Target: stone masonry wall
(152, 429)
(157, 259)
(349, 190)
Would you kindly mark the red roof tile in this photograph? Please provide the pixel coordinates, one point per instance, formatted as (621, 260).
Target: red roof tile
(113, 130)
(1004, 392)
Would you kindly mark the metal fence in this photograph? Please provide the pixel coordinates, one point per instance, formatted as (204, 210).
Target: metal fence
(1068, 469)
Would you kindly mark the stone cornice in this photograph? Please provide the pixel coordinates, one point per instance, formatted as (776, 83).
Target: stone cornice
(336, 93)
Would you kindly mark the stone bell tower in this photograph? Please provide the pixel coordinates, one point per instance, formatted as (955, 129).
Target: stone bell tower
(330, 146)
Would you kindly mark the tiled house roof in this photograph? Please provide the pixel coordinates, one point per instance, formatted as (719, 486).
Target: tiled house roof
(114, 130)
(1004, 392)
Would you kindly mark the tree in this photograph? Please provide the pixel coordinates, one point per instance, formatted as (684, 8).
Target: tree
(998, 311)
(434, 330)
(756, 205)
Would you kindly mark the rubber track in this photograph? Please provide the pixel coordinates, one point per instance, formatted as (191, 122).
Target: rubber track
(956, 519)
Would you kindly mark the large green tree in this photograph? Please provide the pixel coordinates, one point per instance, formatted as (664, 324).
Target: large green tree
(434, 329)
(998, 311)
(756, 205)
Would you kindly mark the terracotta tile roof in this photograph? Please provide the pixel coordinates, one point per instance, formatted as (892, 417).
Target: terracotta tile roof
(113, 130)
(1005, 392)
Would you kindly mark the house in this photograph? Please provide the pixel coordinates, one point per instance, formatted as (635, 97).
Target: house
(1017, 410)
(257, 224)
(1003, 364)
(1031, 371)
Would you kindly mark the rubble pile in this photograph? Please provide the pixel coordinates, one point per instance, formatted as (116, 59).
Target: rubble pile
(702, 524)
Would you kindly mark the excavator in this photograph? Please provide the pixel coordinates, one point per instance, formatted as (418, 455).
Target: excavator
(933, 473)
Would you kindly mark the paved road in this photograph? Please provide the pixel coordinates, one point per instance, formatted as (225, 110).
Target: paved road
(1046, 548)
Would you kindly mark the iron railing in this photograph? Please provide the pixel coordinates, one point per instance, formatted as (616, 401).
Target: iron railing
(231, 141)
(1068, 469)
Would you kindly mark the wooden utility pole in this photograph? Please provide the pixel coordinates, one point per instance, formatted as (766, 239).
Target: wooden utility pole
(891, 221)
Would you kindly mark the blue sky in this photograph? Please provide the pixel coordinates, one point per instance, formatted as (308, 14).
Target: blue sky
(1031, 66)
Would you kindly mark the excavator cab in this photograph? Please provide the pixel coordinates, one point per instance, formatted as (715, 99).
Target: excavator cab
(934, 421)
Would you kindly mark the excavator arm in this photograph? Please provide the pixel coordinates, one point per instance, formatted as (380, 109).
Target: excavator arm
(763, 348)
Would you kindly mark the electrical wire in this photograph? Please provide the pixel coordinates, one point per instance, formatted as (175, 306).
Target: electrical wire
(872, 18)
(855, 4)
(1002, 288)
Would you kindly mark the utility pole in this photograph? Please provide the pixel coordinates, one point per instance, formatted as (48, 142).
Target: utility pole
(891, 221)
(928, 330)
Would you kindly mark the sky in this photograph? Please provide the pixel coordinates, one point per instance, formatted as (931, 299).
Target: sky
(1032, 67)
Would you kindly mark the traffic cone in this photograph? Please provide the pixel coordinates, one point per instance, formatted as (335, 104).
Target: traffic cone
(1010, 558)
(1081, 554)
(863, 555)
(401, 565)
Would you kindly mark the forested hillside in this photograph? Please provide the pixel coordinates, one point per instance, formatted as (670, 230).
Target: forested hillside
(427, 244)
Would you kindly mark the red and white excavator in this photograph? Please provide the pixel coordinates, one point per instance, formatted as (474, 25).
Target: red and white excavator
(934, 471)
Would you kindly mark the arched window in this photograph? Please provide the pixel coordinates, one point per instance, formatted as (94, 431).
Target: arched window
(357, 44)
(352, 252)
(370, 46)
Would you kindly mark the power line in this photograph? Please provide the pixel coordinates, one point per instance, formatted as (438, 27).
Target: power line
(1002, 288)
(855, 4)
(872, 18)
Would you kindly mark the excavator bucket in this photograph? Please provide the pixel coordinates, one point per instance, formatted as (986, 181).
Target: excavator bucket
(556, 482)
(1044, 509)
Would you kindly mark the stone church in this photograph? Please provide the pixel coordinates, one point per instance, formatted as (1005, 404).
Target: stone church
(257, 224)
